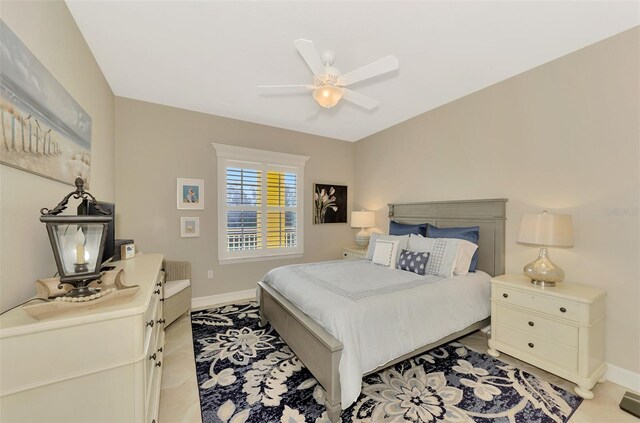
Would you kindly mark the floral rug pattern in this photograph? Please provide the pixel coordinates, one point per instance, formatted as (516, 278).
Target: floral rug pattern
(246, 373)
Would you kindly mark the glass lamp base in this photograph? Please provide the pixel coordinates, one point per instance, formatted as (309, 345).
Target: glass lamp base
(542, 283)
(543, 271)
(362, 238)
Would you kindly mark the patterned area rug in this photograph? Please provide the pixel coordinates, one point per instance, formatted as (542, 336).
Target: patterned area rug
(246, 373)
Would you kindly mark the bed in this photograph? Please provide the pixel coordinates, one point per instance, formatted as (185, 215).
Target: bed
(326, 357)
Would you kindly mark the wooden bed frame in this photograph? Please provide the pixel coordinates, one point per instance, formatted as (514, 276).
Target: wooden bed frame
(320, 351)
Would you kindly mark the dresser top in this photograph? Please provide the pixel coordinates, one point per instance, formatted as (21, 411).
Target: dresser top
(141, 270)
(581, 293)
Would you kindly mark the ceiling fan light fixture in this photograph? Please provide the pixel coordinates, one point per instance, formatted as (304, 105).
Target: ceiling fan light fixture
(328, 95)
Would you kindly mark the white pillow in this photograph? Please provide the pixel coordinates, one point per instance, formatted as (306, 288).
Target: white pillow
(442, 254)
(385, 253)
(403, 240)
(466, 249)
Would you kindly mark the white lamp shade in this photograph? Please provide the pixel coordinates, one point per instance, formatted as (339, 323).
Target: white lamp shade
(363, 219)
(546, 229)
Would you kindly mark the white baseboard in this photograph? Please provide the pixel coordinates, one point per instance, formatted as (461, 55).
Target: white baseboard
(200, 303)
(623, 377)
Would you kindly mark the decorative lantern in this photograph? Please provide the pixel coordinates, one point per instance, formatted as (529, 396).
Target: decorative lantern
(77, 242)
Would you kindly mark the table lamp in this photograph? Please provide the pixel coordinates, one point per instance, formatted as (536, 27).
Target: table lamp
(546, 230)
(363, 219)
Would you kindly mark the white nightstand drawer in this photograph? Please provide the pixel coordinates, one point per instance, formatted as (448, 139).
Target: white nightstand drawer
(353, 253)
(545, 304)
(535, 324)
(536, 346)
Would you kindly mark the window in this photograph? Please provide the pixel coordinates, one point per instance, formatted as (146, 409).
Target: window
(260, 204)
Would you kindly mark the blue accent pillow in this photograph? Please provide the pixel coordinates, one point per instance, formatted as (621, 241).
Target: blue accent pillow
(470, 233)
(414, 262)
(396, 228)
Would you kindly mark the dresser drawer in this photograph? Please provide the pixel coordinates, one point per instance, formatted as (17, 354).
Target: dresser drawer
(537, 346)
(151, 324)
(153, 363)
(153, 387)
(536, 324)
(557, 307)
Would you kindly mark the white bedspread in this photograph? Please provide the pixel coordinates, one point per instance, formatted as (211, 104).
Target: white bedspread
(378, 313)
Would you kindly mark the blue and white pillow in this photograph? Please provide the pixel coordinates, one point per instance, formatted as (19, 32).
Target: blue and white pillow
(413, 261)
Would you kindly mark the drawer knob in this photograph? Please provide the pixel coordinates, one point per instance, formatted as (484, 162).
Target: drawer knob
(505, 295)
(531, 345)
(152, 357)
(160, 349)
(162, 300)
(531, 324)
(159, 284)
(150, 323)
(563, 310)
(161, 321)
(157, 291)
(159, 363)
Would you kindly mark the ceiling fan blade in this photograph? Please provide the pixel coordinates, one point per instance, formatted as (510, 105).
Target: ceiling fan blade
(310, 55)
(384, 65)
(289, 87)
(359, 99)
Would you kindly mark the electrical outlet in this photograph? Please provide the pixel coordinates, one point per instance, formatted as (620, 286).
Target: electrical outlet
(210, 274)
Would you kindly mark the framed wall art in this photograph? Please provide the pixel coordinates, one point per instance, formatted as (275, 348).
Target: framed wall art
(189, 227)
(329, 203)
(190, 194)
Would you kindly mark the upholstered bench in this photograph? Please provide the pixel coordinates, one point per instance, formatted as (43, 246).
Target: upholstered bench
(177, 290)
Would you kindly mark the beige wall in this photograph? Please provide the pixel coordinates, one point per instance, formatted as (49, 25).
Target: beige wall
(562, 137)
(49, 31)
(156, 144)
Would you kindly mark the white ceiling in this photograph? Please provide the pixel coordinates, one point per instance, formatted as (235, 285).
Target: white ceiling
(210, 56)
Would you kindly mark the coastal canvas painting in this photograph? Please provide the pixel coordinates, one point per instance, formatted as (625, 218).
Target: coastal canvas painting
(43, 129)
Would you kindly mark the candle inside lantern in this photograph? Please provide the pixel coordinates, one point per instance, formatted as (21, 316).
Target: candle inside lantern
(80, 240)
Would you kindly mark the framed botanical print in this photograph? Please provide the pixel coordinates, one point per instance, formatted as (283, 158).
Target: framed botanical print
(329, 203)
(189, 227)
(190, 194)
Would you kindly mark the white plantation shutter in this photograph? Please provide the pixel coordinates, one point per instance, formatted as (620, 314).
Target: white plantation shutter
(259, 205)
(244, 205)
(282, 200)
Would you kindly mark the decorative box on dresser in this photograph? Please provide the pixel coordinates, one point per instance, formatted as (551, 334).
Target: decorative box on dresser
(559, 329)
(353, 252)
(99, 365)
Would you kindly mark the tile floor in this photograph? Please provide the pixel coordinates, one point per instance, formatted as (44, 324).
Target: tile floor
(179, 395)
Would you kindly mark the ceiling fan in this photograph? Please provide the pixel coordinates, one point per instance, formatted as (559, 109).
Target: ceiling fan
(329, 85)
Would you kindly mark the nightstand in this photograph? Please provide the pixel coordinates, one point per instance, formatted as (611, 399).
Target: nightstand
(353, 252)
(559, 329)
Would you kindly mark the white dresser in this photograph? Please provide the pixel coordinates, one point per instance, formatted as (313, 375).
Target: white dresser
(353, 252)
(559, 329)
(102, 365)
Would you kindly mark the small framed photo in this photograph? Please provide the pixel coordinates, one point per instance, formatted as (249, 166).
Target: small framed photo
(127, 251)
(190, 194)
(189, 227)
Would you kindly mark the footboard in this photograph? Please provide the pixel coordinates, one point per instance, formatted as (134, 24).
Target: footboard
(315, 347)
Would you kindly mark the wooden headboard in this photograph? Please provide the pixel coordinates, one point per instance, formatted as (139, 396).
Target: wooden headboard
(489, 215)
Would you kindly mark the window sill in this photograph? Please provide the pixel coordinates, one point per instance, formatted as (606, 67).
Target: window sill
(223, 262)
